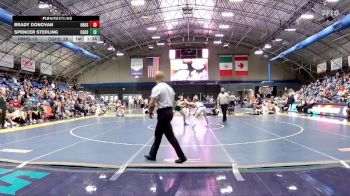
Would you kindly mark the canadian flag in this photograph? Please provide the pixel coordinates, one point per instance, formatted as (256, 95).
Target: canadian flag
(241, 65)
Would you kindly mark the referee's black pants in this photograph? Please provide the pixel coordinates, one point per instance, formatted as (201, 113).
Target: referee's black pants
(165, 115)
(224, 111)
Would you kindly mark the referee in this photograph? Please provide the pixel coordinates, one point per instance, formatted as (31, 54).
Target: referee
(223, 100)
(163, 95)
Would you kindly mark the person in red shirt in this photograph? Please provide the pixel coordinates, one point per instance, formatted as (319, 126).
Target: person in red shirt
(16, 103)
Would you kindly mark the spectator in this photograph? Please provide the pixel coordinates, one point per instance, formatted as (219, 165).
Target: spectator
(19, 116)
(3, 108)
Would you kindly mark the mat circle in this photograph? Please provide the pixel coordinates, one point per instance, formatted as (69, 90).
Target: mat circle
(301, 129)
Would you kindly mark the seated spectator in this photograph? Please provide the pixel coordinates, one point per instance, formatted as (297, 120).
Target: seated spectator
(34, 114)
(99, 110)
(215, 111)
(19, 116)
(48, 112)
(58, 109)
(79, 109)
(300, 106)
(258, 105)
(9, 115)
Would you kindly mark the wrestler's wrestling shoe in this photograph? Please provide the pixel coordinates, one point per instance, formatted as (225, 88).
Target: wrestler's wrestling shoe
(181, 160)
(149, 157)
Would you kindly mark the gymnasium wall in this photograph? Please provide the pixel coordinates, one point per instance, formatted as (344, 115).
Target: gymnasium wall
(118, 71)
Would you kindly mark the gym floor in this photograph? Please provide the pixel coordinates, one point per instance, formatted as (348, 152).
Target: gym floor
(235, 149)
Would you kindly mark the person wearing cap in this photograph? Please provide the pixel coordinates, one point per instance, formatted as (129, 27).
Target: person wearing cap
(164, 97)
(223, 100)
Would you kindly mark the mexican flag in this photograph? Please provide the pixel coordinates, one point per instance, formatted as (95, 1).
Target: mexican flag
(225, 66)
(241, 65)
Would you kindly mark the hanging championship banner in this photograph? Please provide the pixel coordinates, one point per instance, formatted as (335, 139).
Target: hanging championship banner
(336, 63)
(6, 60)
(136, 67)
(46, 69)
(322, 67)
(27, 65)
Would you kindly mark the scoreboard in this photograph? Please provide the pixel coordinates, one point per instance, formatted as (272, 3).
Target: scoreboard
(56, 28)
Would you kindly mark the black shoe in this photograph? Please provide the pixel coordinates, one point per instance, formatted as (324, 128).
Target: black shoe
(181, 160)
(149, 157)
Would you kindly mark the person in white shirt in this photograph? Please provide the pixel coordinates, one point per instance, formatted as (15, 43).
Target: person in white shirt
(163, 96)
(146, 102)
(223, 100)
(232, 99)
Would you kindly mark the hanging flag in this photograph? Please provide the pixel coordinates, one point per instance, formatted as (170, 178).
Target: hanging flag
(225, 66)
(322, 67)
(152, 64)
(241, 65)
(6, 60)
(46, 68)
(27, 64)
(136, 66)
(336, 63)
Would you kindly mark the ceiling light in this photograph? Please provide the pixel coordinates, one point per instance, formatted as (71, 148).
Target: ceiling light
(137, 2)
(227, 14)
(219, 35)
(259, 52)
(293, 188)
(146, 17)
(224, 26)
(236, 0)
(217, 42)
(267, 46)
(152, 28)
(307, 15)
(156, 37)
(150, 46)
(332, 1)
(160, 44)
(153, 189)
(278, 39)
(290, 29)
(220, 178)
(43, 5)
(226, 45)
(100, 42)
(120, 53)
(226, 190)
(110, 48)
